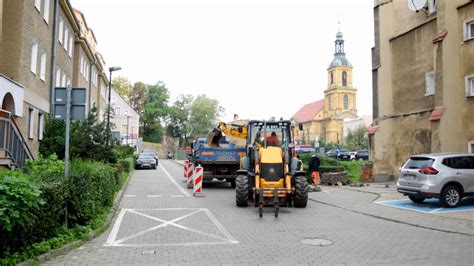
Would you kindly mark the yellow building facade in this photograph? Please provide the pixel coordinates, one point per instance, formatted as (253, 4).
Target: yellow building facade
(323, 120)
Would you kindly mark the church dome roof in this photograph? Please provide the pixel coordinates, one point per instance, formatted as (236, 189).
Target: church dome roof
(340, 61)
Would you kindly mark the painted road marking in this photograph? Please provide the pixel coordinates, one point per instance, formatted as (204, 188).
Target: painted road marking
(223, 238)
(428, 206)
(181, 189)
(130, 196)
(154, 196)
(177, 196)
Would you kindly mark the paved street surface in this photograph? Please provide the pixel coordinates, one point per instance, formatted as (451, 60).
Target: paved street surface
(160, 222)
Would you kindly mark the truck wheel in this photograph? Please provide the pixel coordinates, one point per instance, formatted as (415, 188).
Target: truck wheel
(241, 191)
(301, 192)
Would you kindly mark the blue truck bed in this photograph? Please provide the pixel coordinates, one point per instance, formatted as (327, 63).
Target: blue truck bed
(218, 162)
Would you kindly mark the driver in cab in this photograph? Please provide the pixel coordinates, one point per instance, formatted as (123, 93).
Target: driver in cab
(272, 140)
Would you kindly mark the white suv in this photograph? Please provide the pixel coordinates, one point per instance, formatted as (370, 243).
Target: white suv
(447, 176)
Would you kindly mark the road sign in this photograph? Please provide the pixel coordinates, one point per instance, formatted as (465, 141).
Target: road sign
(338, 151)
(78, 103)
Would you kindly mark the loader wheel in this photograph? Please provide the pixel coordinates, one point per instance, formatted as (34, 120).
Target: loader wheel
(241, 191)
(301, 192)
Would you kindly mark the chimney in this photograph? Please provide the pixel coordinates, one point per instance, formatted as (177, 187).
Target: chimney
(236, 117)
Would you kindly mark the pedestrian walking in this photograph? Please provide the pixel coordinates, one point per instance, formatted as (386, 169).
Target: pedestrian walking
(313, 169)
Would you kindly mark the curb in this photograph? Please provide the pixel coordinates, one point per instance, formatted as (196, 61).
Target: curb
(95, 233)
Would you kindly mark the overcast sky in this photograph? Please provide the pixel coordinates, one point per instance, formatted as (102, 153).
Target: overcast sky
(258, 58)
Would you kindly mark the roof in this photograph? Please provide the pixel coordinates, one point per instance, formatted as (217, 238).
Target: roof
(309, 111)
(340, 61)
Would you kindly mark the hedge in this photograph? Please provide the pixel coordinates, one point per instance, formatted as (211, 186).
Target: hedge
(32, 205)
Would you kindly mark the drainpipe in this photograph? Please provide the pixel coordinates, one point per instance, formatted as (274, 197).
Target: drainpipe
(90, 84)
(53, 57)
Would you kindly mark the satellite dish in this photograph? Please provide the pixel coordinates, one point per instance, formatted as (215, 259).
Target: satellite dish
(416, 5)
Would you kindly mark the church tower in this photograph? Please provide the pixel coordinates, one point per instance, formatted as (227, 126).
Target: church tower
(340, 95)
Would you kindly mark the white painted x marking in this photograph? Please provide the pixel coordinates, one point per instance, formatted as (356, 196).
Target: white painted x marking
(113, 234)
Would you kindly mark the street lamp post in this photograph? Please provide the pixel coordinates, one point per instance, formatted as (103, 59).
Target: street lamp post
(111, 69)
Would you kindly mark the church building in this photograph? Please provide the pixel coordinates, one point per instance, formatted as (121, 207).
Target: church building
(323, 120)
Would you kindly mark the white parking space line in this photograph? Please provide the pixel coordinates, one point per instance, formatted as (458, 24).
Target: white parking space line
(130, 196)
(154, 196)
(181, 189)
(113, 241)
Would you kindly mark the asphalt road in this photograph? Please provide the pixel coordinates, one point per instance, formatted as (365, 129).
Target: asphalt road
(160, 222)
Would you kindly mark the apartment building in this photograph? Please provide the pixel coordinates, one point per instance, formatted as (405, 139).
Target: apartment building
(423, 80)
(33, 61)
(124, 120)
(25, 66)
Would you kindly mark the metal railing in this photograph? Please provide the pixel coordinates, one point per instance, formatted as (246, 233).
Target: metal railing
(12, 144)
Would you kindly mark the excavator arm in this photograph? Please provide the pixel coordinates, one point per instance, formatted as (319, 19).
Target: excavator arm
(232, 131)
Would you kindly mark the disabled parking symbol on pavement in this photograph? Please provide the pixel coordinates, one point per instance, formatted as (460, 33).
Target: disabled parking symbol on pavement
(428, 206)
(167, 227)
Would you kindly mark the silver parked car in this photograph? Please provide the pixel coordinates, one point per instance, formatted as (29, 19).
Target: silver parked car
(447, 176)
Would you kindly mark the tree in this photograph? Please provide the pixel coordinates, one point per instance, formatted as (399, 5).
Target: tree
(178, 119)
(203, 115)
(88, 139)
(138, 97)
(155, 112)
(357, 139)
(123, 87)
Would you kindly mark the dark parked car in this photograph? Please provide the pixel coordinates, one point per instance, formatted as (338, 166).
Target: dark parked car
(155, 155)
(362, 155)
(343, 154)
(145, 160)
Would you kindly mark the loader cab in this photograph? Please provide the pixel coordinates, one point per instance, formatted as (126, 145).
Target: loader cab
(263, 129)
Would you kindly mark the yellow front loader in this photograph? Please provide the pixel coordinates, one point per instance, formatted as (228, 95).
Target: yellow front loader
(269, 173)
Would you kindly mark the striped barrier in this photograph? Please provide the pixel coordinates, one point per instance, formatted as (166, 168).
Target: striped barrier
(189, 175)
(198, 176)
(186, 162)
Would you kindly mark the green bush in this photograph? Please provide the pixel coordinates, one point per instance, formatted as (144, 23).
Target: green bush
(326, 169)
(32, 204)
(91, 188)
(123, 151)
(127, 164)
(20, 199)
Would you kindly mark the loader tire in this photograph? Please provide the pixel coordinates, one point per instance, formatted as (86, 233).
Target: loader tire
(301, 192)
(241, 191)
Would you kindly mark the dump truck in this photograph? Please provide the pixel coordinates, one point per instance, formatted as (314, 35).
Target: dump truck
(219, 161)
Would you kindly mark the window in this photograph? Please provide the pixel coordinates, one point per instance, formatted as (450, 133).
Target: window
(329, 102)
(346, 102)
(31, 121)
(462, 162)
(38, 4)
(332, 79)
(66, 38)
(34, 57)
(61, 28)
(43, 67)
(470, 86)
(46, 11)
(117, 110)
(430, 83)
(58, 77)
(124, 129)
(344, 78)
(470, 147)
(68, 82)
(63, 80)
(70, 46)
(40, 125)
(432, 6)
(469, 30)
(82, 64)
